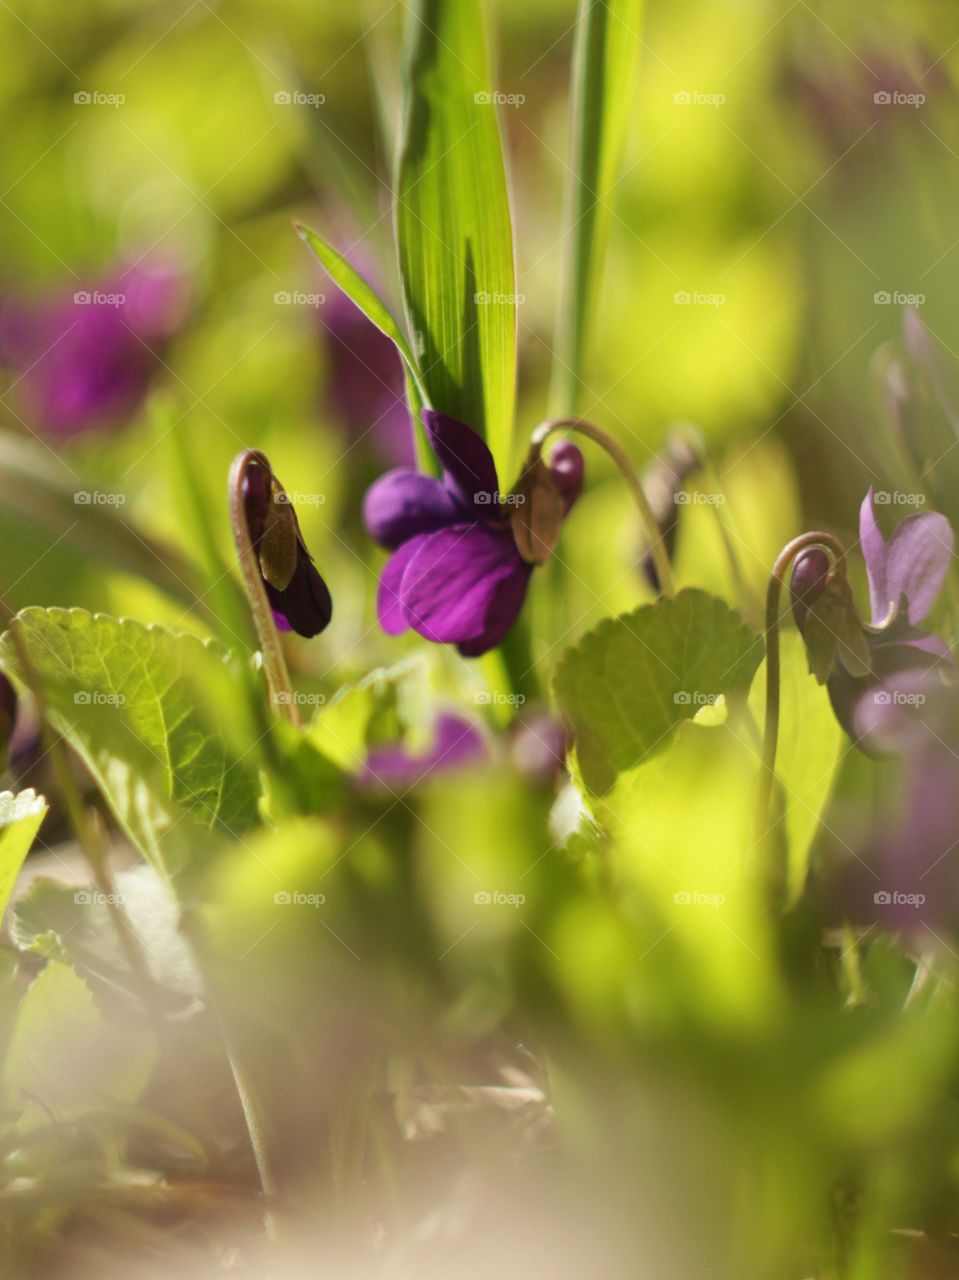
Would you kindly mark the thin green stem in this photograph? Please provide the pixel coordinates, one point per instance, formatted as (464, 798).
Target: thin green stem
(623, 461)
(274, 663)
(773, 599)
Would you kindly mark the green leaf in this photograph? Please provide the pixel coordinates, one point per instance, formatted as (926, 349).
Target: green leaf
(20, 818)
(73, 922)
(453, 224)
(63, 1052)
(604, 65)
(142, 706)
(358, 291)
(810, 741)
(626, 685)
(381, 707)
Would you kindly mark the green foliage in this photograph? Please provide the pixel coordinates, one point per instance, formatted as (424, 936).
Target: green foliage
(138, 704)
(625, 686)
(604, 65)
(810, 742)
(62, 1050)
(453, 225)
(20, 818)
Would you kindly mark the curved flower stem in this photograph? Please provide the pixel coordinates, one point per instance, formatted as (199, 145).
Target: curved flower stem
(622, 459)
(274, 663)
(773, 594)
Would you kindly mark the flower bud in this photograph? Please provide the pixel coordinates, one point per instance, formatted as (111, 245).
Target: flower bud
(543, 497)
(809, 578)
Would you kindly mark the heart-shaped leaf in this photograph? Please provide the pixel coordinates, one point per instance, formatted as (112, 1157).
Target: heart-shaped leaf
(137, 704)
(625, 686)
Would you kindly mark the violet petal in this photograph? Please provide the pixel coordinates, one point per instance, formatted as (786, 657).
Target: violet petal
(464, 584)
(917, 560)
(305, 603)
(390, 607)
(911, 565)
(467, 462)
(404, 503)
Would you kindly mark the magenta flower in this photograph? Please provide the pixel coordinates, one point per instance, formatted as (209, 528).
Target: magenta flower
(456, 575)
(86, 358)
(457, 742)
(905, 573)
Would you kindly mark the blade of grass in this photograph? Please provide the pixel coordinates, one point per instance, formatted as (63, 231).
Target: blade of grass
(604, 64)
(453, 225)
(343, 274)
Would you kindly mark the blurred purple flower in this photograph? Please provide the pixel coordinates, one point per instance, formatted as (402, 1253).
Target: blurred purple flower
(903, 875)
(538, 744)
(85, 359)
(457, 742)
(456, 575)
(905, 572)
(365, 382)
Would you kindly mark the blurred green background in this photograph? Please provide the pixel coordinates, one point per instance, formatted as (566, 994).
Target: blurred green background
(790, 181)
(762, 180)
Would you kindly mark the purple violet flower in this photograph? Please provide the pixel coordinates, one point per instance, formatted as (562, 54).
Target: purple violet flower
(905, 573)
(365, 382)
(456, 575)
(86, 358)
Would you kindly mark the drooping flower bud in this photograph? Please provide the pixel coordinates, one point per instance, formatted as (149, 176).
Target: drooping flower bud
(298, 596)
(542, 498)
(810, 575)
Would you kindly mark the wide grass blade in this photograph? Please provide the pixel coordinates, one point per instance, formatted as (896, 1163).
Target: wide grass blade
(604, 64)
(453, 224)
